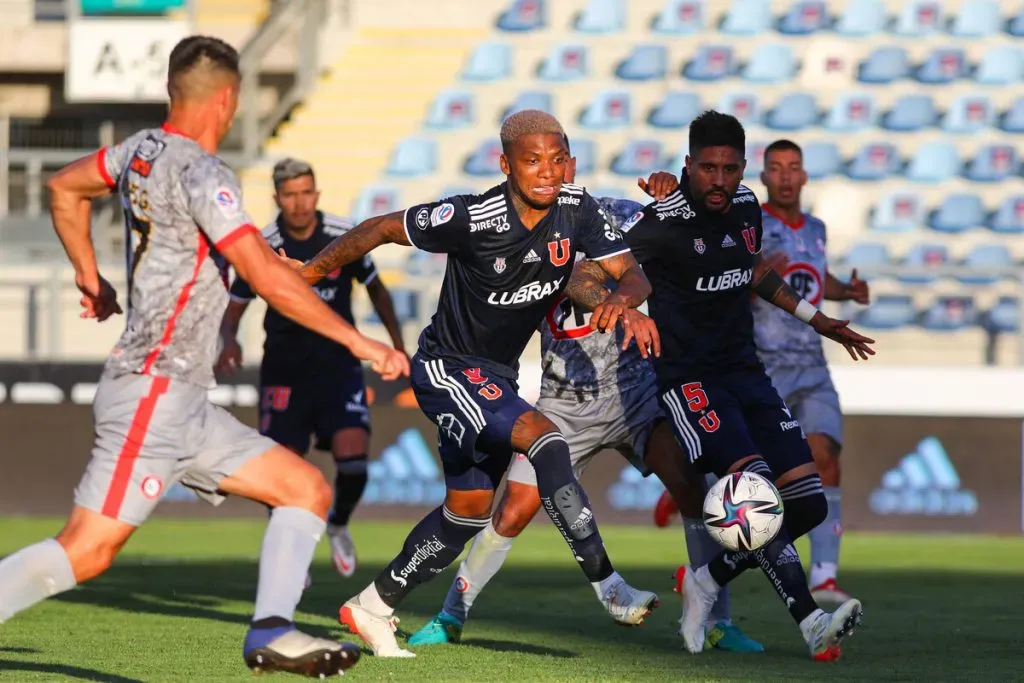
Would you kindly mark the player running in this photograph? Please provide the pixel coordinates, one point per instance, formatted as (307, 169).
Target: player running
(309, 384)
(601, 396)
(510, 254)
(154, 425)
(701, 247)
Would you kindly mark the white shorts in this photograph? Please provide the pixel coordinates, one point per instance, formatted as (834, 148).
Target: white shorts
(623, 423)
(152, 432)
(812, 397)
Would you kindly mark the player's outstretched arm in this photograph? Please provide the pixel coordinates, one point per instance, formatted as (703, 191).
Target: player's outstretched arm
(771, 287)
(854, 290)
(587, 290)
(356, 243)
(382, 303)
(230, 358)
(632, 290)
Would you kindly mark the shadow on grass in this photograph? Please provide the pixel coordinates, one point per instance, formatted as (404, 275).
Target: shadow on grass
(74, 672)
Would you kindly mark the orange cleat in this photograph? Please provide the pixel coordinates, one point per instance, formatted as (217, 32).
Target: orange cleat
(664, 510)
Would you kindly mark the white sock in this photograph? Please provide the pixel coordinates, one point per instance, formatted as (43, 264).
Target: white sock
(288, 547)
(601, 587)
(371, 601)
(822, 572)
(33, 574)
(485, 557)
(703, 576)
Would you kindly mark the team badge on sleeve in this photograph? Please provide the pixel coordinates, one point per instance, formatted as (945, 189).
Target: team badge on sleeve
(422, 219)
(633, 220)
(226, 201)
(442, 214)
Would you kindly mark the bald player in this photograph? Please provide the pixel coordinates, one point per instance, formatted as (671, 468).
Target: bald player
(154, 425)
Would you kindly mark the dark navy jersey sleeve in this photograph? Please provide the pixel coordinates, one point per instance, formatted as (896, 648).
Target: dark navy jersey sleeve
(364, 270)
(241, 291)
(598, 238)
(439, 227)
(642, 233)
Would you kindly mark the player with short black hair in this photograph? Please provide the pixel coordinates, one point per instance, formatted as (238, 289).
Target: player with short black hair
(510, 253)
(309, 385)
(701, 249)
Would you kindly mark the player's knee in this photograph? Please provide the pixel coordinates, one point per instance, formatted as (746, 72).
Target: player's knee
(306, 488)
(89, 555)
(517, 509)
(805, 503)
(825, 452)
(470, 504)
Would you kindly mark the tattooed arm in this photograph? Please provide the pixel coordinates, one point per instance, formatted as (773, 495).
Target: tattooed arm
(356, 243)
(771, 287)
(586, 285)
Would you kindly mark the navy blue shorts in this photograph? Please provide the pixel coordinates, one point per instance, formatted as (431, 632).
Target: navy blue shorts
(318, 399)
(722, 420)
(474, 415)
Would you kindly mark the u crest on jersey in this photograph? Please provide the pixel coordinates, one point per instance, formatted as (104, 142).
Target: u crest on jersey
(499, 265)
(559, 251)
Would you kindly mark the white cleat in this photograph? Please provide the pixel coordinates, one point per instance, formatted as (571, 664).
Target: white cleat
(299, 653)
(627, 605)
(343, 550)
(825, 631)
(378, 632)
(829, 593)
(698, 599)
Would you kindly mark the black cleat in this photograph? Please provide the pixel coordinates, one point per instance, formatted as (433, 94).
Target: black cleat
(298, 653)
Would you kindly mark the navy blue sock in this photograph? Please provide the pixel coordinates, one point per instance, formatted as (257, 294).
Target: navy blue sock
(349, 483)
(430, 547)
(567, 505)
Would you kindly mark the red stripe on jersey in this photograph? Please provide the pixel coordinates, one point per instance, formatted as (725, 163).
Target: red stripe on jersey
(101, 163)
(792, 226)
(202, 250)
(233, 236)
(132, 447)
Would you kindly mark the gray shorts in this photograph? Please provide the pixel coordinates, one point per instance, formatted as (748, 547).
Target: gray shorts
(623, 423)
(812, 397)
(152, 432)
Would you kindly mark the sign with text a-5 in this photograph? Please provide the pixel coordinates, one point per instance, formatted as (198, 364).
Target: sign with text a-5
(120, 60)
(932, 474)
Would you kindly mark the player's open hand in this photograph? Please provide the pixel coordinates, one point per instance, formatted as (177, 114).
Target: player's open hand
(99, 299)
(839, 331)
(857, 289)
(641, 328)
(607, 313)
(660, 185)
(294, 264)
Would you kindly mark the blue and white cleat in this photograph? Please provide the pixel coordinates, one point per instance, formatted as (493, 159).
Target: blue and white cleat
(285, 648)
(440, 630)
(730, 638)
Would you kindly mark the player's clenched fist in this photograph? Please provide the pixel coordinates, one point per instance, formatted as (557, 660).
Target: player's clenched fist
(638, 326)
(99, 299)
(387, 362)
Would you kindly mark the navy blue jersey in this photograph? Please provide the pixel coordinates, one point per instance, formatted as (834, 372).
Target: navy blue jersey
(286, 339)
(502, 278)
(700, 265)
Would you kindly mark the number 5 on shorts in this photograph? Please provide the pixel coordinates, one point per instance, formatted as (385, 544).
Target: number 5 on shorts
(697, 401)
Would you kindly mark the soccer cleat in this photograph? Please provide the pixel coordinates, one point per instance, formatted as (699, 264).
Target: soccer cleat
(290, 650)
(627, 605)
(664, 510)
(378, 632)
(343, 550)
(440, 630)
(829, 593)
(825, 631)
(730, 638)
(698, 599)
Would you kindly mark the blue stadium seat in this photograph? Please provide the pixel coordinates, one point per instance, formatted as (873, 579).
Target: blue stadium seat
(769, 63)
(1004, 316)
(489, 62)
(413, 157)
(976, 19)
(530, 99)
(887, 312)
(453, 190)
(523, 15)
(949, 314)
(375, 200)
(710, 63)
(794, 111)
(644, 63)
(747, 18)
(924, 256)
(884, 65)
(957, 213)
(993, 163)
(680, 18)
(821, 160)
(451, 109)
(742, 105)
(484, 159)
(984, 256)
(1008, 218)
(676, 110)
(585, 152)
(602, 16)
(565, 63)
(899, 211)
(874, 161)
(968, 114)
(934, 161)
(919, 18)
(608, 110)
(867, 255)
(755, 157)
(638, 158)
(861, 18)
(851, 112)
(910, 113)
(803, 18)
(406, 303)
(1000, 65)
(1012, 120)
(1015, 26)
(942, 65)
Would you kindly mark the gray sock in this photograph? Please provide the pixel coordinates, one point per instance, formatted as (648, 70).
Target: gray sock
(482, 562)
(826, 536)
(287, 552)
(701, 549)
(33, 574)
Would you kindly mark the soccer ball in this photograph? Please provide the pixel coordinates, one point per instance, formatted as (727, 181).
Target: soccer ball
(743, 511)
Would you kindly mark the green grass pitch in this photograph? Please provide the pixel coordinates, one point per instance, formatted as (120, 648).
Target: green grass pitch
(175, 606)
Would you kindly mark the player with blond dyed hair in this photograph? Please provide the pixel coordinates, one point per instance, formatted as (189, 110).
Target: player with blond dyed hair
(510, 251)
